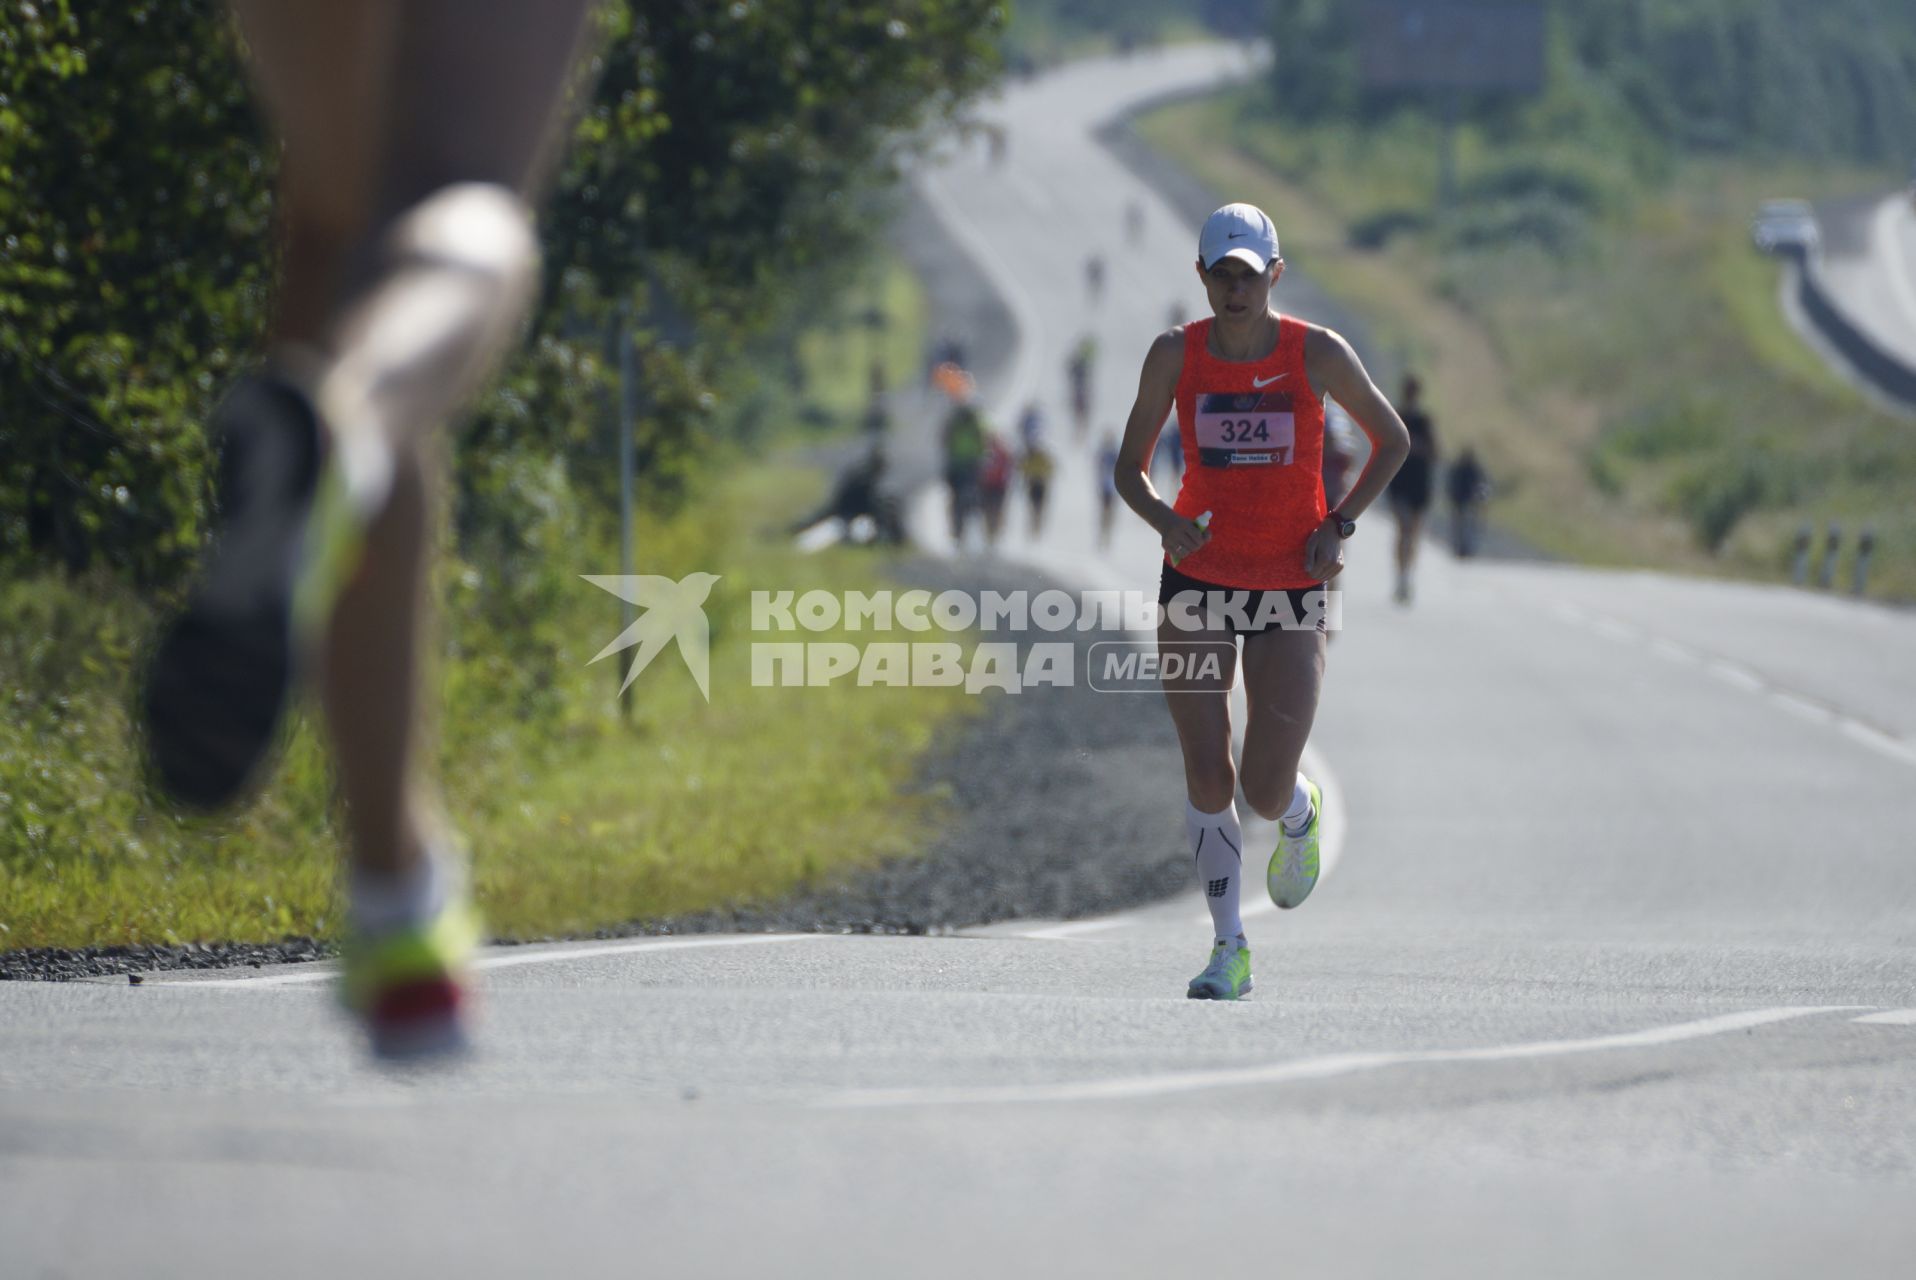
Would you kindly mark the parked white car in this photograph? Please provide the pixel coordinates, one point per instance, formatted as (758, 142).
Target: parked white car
(1784, 224)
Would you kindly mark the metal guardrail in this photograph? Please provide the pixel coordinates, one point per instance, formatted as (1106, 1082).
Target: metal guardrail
(1832, 552)
(1888, 372)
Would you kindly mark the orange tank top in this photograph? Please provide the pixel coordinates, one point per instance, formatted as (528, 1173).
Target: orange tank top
(1253, 437)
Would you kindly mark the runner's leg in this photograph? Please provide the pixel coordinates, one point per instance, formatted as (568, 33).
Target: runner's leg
(1201, 711)
(1283, 676)
(322, 70)
(1406, 517)
(406, 304)
(1200, 705)
(224, 669)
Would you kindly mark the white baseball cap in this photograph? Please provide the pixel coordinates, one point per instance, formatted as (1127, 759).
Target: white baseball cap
(1240, 231)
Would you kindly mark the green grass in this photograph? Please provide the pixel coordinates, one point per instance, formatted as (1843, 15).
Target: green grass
(1749, 287)
(760, 791)
(577, 817)
(1606, 339)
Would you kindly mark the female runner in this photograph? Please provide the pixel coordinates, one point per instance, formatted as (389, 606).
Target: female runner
(1248, 548)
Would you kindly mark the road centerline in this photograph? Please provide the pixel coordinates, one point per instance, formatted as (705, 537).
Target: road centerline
(1329, 1066)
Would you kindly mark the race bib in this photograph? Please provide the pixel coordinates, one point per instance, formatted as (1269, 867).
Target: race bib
(1249, 429)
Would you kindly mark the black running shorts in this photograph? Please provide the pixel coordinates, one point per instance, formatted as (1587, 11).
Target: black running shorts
(1244, 611)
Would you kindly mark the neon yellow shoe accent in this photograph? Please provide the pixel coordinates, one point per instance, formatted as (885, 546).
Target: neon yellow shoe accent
(1227, 977)
(334, 541)
(1294, 865)
(408, 988)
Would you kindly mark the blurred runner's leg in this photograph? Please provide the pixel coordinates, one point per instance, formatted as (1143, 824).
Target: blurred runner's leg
(414, 137)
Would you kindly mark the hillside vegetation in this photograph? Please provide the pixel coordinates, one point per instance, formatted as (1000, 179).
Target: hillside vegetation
(1587, 309)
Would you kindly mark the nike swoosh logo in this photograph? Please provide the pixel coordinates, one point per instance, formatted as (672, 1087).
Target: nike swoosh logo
(1237, 235)
(1265, 382)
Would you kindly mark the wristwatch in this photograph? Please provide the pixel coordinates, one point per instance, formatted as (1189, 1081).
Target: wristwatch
(1345, 527)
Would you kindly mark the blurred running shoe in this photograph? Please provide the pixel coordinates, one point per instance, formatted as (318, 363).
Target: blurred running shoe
(224, 671)
(408, 984)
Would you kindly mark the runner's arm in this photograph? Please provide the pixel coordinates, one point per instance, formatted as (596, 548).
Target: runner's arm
(1333, 367)
(1157, 391)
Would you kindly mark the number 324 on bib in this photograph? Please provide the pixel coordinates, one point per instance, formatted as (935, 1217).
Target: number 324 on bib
(1247, 430)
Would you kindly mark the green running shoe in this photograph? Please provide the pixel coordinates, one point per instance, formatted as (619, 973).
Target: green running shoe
(1227, 977)
(408, 987)
(1293, 870)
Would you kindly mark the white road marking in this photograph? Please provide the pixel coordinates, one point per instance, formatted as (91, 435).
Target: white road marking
(1891, 1017)
(1675, 652)
(1078, 928)
(1734, 675)
(1876, 740)
(1570, 613)
(1611, 629)
(1323, 1068)
(1815, 712)
(1738, 676)
(509, 958)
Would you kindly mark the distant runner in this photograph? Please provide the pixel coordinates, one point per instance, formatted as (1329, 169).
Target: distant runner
(1078, 373)
(963, 442)
(995, 474)
(1468, 486)
(1107, 486)
(1248, 387)
(1031, 427)
(1410, 487)
(1037, 467)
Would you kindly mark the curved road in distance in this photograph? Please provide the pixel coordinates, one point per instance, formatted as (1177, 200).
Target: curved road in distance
(1869, 267)
(1618, 975)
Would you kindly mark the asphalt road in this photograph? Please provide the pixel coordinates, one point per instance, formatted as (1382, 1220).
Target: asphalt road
(1616, 973)
(1869, 265)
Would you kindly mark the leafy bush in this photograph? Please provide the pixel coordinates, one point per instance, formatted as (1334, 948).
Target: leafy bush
(1376, 230)
(135, 201)
(1555, 176)
(1713, 499)
(1550, 225)
(1694, 422)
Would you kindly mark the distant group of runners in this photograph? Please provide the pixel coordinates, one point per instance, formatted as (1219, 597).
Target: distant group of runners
(416, 138)
(981, 469)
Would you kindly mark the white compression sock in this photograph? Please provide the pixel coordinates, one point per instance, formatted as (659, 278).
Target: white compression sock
(1299, 814)
(383, 904)
(1217, 843)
